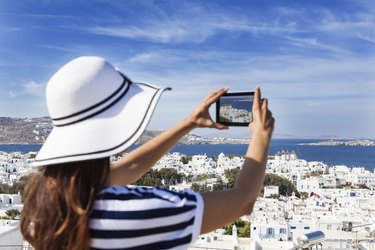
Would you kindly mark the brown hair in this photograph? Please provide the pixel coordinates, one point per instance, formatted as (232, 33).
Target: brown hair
(59, 200)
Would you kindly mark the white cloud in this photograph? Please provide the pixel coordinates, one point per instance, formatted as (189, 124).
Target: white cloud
(30, 88)
(301, 89)
(366, 38)
(189, 31)
(143, 57)
(314, 43)
(191, 24)
(160, 57)
(34, 88)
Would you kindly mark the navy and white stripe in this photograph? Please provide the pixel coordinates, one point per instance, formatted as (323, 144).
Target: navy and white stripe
(145, 218)
(96, 108)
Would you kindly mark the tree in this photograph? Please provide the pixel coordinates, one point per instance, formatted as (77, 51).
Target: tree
(232, 156)
(5, 188)
(202, 177)
(186, 159)
(195, 187)
(18, 186)
(199, 188)
(314, 173)
(363, 186)
(12, 213)
(170, 176)
(274, 196)
(219, 185)
(303, 195)
(231, 175)
(286, 187)
(151, 178)
(243, 228)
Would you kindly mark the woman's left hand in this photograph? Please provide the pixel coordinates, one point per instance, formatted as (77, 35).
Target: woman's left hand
(201, 117)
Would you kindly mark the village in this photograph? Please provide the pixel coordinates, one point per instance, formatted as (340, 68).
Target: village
(336, 201)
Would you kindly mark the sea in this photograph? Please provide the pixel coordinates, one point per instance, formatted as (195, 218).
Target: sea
(245, 103)
(351, 156)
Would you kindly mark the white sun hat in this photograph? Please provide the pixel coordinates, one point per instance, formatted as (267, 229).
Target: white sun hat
(96, 111)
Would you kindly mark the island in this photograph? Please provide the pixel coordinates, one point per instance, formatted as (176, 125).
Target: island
(36, 131)
(341, 143)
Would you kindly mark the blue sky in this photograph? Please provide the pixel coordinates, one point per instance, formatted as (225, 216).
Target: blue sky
(314, 60)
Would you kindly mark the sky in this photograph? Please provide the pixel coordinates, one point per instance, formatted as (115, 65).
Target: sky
(314, 60)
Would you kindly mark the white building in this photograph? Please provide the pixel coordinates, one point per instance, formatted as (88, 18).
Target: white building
(271, 190)
(10, 199)
(308, 185)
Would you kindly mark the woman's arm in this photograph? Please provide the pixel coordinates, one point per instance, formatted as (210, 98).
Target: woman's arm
(221, 208)
(139, 161)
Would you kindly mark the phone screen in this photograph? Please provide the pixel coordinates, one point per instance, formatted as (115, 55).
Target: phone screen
(234, 109)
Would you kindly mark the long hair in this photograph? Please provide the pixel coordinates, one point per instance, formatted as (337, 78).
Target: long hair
(59, 200)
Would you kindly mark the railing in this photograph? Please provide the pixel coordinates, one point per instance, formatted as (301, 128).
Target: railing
(269, 236)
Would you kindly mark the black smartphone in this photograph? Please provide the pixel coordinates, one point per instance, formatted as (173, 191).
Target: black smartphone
(234, 109)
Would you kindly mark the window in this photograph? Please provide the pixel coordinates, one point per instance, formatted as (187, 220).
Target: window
(293, 227)
(329, 227)
(254, 228)
(282, 230)
(270, 231)
(306, 228)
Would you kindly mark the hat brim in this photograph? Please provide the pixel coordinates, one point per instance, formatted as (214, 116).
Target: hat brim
(105, 134)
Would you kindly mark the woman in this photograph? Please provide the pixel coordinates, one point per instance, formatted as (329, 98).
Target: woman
(78, 200)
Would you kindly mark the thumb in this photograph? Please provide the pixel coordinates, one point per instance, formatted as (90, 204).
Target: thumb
(219, 126)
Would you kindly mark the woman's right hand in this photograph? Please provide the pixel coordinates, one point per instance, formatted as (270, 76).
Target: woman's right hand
(263, 122)
(201, 117)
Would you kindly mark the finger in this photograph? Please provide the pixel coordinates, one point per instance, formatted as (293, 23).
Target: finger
(269, 117)
(219, 126)
(265, 103)
(216, 95)
(271, 123)
(215, 92)
(206, 103)
(256, 101)
(212, 94)
(269, 114)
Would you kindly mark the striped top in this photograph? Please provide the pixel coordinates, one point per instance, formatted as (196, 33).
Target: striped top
(145, 218)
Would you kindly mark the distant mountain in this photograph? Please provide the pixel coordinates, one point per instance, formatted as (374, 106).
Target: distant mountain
(284, 136)
(36, 130)
(342, 143)
(24, 130)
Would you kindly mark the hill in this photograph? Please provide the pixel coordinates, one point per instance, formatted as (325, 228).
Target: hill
(24, 130)
(36, 130)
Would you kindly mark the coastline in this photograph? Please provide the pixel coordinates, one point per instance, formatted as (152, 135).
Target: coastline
(351, 156)
(352, 143)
